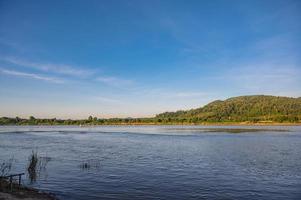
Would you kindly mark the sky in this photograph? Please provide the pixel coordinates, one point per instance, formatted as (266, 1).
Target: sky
(137, 58)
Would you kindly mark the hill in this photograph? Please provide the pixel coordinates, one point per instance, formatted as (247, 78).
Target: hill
(241, 109)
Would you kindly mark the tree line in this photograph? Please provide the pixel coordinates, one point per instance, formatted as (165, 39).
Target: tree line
(253, 109)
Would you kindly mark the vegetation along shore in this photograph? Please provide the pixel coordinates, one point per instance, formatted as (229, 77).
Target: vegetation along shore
(242, 110)
(11, 185)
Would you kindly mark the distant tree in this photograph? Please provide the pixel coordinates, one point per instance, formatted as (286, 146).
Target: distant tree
(31, 118)
(18, 119)
(255, 108)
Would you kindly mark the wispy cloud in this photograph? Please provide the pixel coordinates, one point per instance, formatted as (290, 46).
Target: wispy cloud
(50, 67)
(62, 69)
(114, 81)
(30, 75)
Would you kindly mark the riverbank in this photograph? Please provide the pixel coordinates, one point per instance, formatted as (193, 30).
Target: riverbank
(202, 124)
(24, 193)
(25, 196)
(170, 124)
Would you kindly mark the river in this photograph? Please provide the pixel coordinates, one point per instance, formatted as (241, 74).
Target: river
(158, 162)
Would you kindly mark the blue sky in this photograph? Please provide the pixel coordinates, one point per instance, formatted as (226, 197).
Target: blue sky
(72, 59)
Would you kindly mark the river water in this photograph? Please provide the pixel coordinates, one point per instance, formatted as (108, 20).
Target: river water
(158, 162)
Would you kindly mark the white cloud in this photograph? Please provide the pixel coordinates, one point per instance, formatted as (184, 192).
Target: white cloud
(31, 75)
(50, 67)
(62, 69)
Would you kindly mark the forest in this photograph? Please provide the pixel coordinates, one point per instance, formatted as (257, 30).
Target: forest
(242, 109)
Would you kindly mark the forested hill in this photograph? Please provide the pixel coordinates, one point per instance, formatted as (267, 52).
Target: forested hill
(241, 109)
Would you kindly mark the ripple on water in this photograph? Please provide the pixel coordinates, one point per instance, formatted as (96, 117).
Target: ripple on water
(161, 162)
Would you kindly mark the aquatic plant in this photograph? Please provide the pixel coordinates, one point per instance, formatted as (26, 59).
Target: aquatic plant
(36, 165)
(32, 167)
(5, 167)
(90, 164)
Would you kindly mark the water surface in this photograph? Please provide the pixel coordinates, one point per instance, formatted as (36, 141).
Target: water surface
(159, 162)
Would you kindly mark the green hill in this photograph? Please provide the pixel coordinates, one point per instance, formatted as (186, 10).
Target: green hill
(241, 109)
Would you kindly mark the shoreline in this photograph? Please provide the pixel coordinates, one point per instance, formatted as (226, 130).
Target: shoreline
(24, 192)
(168, 124)
(28, 195)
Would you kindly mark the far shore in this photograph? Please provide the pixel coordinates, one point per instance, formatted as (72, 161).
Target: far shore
(171, 124)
